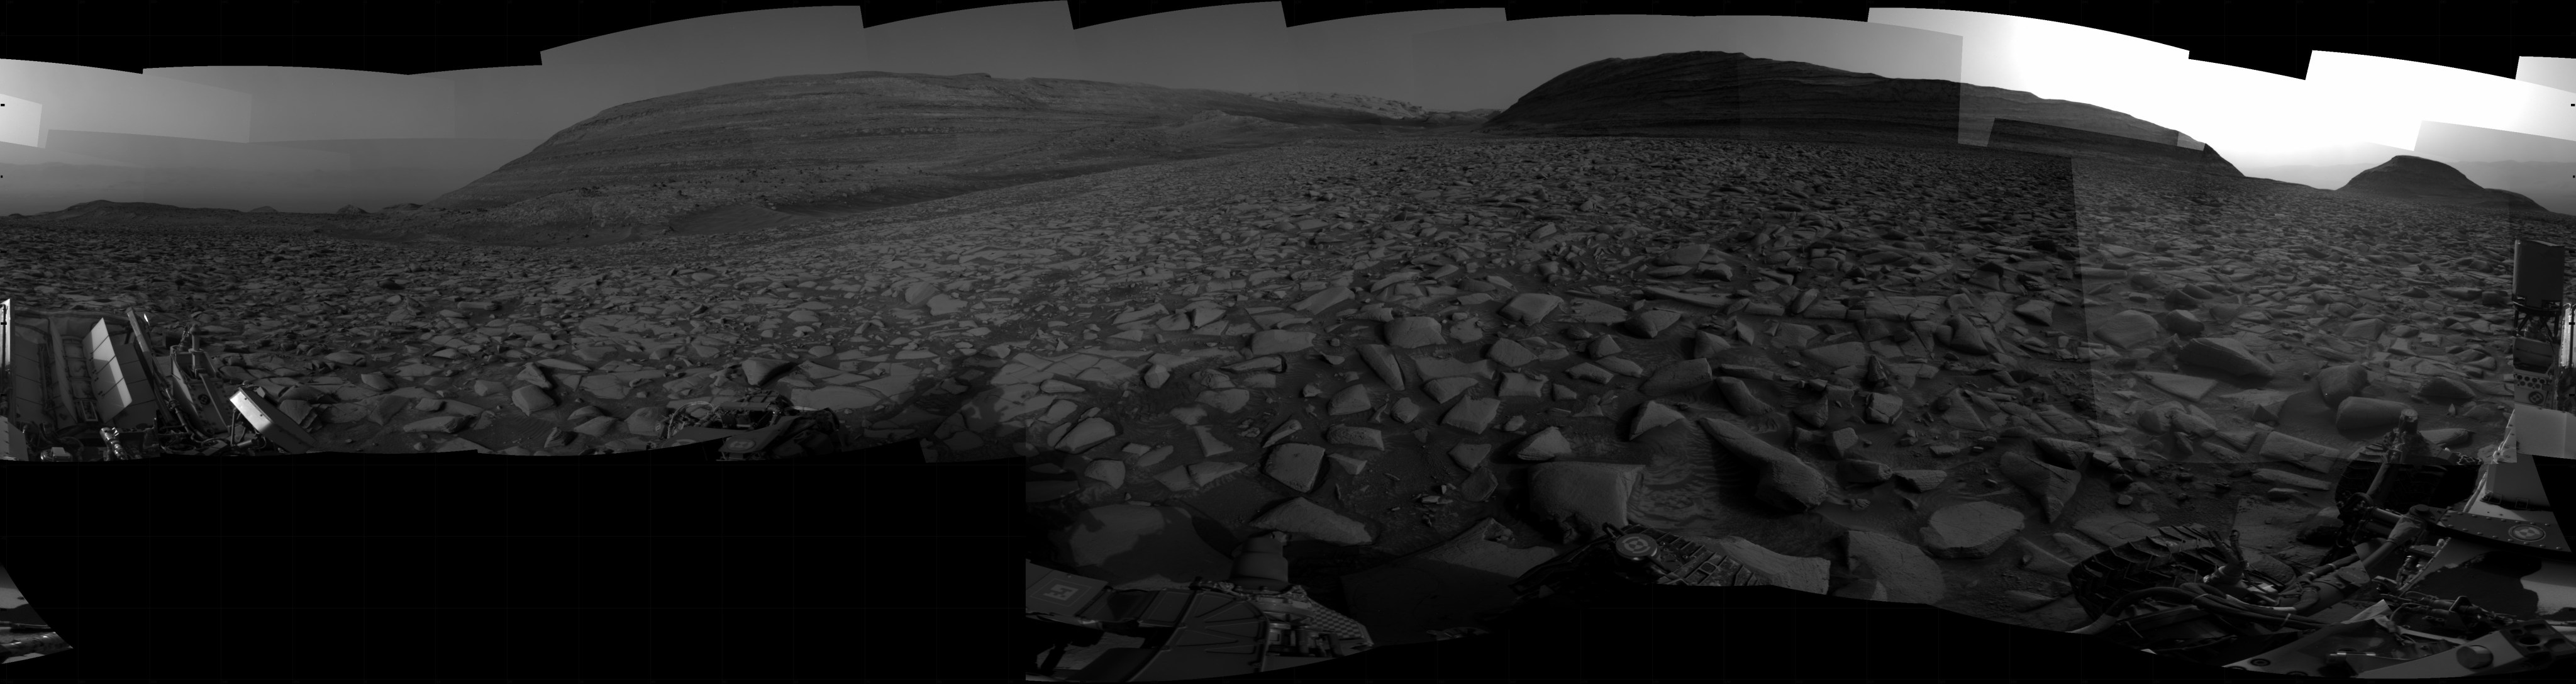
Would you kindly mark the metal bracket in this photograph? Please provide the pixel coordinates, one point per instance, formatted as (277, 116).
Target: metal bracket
(2505, 530)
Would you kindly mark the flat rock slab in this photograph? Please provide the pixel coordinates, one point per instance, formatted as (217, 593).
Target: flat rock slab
(1840, 356)
(442, 424)
(1652, 323)
(1801, 573)
(1352, 399)
(1580, 496)
(1352, 435)
(2129, 329)
(1596, 311)
(1139, 547)
(1207, 473)
(2287, 479)
(1970, 530)
(1269, 342)
(1902, 569)
(1434, 368)
(1470, 456)
(2190, 388)
(1445, 389)
(1919, 480)
(2282, 447)
(2337, 383)
(2364, 413)
(1300, 516)
(1296, 465)
(1090, 433)
(1382, 359)
(531, 399)
(1787, 481)
(1325, 300)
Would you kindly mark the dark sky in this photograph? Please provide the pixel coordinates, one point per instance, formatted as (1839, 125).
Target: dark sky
(417, 37)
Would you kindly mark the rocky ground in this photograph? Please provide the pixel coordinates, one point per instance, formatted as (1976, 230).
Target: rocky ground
(1899, 374)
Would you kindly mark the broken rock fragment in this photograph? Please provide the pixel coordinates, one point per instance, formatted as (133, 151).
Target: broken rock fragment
(1529, 308)
(1653, 414)
(1682, 376)
(1473, 415)
(1414, 331)
(2225, 355)
(1548, 444)
(2129, 329)
(1298, 515)
(1296, 465)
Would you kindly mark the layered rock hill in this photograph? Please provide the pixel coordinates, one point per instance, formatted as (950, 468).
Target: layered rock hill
(2410, 177)
(1728, 94)
(732, 157)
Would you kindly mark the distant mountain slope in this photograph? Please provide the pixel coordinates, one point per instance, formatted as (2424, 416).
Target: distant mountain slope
(1729, 94)
(702, 160)
(1393, 110)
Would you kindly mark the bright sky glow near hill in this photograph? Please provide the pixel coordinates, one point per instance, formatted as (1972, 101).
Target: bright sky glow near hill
(397, 136)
